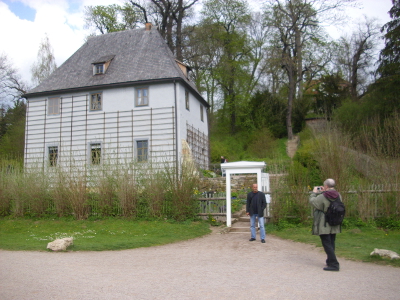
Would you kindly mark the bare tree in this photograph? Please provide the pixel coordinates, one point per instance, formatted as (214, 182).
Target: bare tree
(45, 64)
(169, 16)
(12, 87)
(357, 55)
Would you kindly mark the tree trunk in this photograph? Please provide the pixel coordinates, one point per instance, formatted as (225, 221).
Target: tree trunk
(291, 96)
(178, 38)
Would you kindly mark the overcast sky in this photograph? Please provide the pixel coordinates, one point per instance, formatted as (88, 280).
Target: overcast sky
(24, 23)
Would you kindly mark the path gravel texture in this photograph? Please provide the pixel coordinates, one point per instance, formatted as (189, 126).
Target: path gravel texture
(216, 266)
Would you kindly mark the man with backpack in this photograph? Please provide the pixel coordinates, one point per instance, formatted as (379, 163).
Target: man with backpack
(328, 216)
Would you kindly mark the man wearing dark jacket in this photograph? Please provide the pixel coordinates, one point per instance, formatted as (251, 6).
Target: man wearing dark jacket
(255, 206)
(320, 199)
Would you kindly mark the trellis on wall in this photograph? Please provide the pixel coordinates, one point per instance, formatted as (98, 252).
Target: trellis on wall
(75, 131)
(199, 145)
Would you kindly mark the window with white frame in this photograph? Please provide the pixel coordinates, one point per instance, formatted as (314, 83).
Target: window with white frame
(96, 101)
(53, 107)
(53, 155)
(142, 149)
(95, 153)
(201, 113)
(142, 96)
(187, 100)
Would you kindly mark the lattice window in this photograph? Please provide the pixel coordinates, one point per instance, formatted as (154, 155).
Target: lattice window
(96, 100)
(142, 96)
(95, 153)
(53, 106)
(53, 155)
(142, 149)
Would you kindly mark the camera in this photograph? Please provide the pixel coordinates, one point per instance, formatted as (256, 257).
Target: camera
(319, 188)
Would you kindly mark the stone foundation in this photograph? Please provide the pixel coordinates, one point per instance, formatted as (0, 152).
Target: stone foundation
(218, 184)
(238, 183)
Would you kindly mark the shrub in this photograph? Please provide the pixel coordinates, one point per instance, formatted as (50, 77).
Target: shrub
(263, 144)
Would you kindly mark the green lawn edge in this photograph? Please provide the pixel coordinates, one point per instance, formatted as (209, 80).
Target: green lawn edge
(99, 235)
(352, 244)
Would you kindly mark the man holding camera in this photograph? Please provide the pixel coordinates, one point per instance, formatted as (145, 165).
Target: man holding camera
(255, 206)
(319, 200)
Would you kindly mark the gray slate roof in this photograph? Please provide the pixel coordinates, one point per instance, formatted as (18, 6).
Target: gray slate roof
(137, 55)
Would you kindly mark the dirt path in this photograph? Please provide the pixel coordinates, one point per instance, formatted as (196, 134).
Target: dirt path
(291, 146)
(216, 266)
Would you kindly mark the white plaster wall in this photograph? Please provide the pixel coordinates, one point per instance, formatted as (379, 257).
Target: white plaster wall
(191, 116)
(160, 95)
(118, 106)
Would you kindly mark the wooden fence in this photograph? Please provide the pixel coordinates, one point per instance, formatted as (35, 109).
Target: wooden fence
(374, 202)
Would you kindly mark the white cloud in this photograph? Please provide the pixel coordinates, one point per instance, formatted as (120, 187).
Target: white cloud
(65, 29)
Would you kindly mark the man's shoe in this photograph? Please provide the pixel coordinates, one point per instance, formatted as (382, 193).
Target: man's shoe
(252, 239)
(331, 269)
(263, 241)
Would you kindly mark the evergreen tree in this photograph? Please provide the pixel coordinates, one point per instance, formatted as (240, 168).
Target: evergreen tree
(390, 55)
(384, 96)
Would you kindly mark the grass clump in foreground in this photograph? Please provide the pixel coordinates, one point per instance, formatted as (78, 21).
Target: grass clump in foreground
(99, 235)
(353, 243)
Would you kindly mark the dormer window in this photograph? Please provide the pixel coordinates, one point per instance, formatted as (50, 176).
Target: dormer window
(101, 65)
(185, 68)
(98, 69)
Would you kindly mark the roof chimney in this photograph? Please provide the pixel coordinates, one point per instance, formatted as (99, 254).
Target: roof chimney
(148, 26)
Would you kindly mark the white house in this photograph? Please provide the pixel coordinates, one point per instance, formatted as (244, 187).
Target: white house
(121, 98)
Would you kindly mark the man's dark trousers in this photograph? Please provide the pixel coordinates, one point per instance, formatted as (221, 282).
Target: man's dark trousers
(328, 242)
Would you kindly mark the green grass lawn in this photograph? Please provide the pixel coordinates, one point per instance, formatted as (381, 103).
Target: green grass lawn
(109, 234)
(353, 244)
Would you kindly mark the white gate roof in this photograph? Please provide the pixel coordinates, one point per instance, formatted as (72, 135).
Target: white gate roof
(243, 166)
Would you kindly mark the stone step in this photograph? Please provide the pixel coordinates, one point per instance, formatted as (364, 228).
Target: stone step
(244, 219)
(240, 229)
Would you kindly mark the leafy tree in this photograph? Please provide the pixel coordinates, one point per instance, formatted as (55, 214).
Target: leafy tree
(12, 120)
(296, 25)
(232, 55)
(330, 92)
(45, 64)
(202, 54)
(12, 131)
(268, 111)
(111, 18)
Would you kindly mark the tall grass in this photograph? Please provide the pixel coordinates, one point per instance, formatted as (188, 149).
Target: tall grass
(137, 190)
(366, 170)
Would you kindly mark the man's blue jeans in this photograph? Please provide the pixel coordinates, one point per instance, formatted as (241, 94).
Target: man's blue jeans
(253, 226)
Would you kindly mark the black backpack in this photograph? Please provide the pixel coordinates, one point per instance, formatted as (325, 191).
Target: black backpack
(335, 213)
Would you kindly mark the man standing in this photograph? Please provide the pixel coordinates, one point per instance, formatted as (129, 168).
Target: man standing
(255, 206)
(320, 199)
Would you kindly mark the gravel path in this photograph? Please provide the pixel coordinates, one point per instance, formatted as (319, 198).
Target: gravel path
(216, 266)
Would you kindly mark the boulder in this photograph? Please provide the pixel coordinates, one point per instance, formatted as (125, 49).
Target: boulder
(385, 253)
(60, 244)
